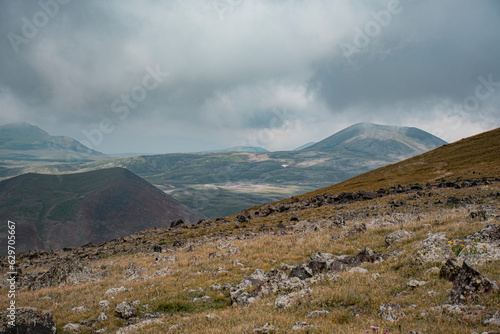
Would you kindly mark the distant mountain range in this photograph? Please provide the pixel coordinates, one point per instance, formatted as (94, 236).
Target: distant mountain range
(222, 183)
(23, 141)
(238, 149)
(55, 211)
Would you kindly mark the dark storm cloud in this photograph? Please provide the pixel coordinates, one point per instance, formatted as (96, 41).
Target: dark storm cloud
(430, 50)
(235, 67)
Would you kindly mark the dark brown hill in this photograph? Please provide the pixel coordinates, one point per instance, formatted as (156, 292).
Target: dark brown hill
(55, 211)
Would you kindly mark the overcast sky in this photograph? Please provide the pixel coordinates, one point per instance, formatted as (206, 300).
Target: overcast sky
(177, 76)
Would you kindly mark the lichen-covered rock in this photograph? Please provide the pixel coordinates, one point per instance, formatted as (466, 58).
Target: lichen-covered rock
(413, 284)
(489, 234)
(114, 291)
(28, 320)
(291, 299)
(468, 284)
(356, 229)
(125, 311)
(482, 247)
(397, 236)
(390, 312)
(104, 304)
(435, 248)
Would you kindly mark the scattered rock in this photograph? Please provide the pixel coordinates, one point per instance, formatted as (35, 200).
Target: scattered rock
(135, 328)
(478, 214)
(431, 293)
(368, 255)
(72, 328)
(80, 309)
(302, 325)
(415, 284)
(291, 299)
(433, 271)
(356, 229)
(215, 286)
(397, 236)
(114, 291)
(468, 284)
(358, 270)
(266, 329)
(390, 312)
(204, 299)
(102, 317)
(134, 273)
(28, 320)
(317, 313)
(494, 320)
(125, 311)
(104, 304)
(471, 314)
(212, 316)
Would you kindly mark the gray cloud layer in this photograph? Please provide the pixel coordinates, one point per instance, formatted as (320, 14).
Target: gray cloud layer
(269, 73)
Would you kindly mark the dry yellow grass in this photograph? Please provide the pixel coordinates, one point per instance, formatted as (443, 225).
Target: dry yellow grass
(353, 301)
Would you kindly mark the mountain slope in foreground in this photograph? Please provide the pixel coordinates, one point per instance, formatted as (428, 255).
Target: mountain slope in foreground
(408, 258)
(74, 209)
(467, 158)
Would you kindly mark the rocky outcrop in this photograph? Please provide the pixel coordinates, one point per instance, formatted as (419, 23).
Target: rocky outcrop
(70, 271)
(28, 320)
(468, 285)
(450, 270)
(290, 279)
